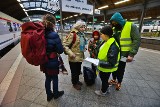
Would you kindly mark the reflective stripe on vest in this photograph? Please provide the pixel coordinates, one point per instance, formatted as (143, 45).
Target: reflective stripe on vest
(125, 40)
(102, 55)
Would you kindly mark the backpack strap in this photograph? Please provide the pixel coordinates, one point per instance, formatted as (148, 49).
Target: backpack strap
(73, 41)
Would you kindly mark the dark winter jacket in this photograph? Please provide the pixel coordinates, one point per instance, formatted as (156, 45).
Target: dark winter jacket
(111, 56)
(53, 45)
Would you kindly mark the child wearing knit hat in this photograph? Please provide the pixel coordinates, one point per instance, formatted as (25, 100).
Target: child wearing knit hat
(108, 55)
(92, 46)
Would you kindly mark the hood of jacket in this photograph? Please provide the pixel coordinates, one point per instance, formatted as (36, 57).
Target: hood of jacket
(117, 17)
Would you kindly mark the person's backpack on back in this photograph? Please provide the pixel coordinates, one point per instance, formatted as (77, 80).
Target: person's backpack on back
(33, 43)
(89, 76)
(73, 41)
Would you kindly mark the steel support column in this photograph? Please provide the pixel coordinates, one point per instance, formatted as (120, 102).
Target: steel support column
(142, 16)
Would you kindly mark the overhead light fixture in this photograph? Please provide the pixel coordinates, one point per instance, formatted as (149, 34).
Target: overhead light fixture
(119, 2)
(158, 16)
(134, 19)
(76, 15)
(103, 7)
(147, 17)
(19, 0)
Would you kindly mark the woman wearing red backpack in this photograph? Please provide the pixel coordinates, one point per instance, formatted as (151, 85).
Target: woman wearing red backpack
(53, 48)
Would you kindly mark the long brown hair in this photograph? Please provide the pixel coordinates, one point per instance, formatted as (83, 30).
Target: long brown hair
(49, 21)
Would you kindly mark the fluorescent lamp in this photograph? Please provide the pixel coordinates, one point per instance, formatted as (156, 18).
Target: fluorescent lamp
(134, 19)
(119, 2)
(76, 15)
(147, 17)
(103, 7)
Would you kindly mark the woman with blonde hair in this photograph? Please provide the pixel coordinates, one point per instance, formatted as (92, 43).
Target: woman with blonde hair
(75, 51)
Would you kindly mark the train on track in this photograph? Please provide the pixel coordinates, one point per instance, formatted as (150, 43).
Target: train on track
(10, 30)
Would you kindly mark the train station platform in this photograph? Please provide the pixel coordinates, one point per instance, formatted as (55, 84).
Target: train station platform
(22, 85)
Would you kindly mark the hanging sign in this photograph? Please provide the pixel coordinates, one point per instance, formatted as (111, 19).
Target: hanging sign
(53, 5)
(77, 6)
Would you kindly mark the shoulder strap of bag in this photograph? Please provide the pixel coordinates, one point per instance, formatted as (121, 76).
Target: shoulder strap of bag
(74, 39)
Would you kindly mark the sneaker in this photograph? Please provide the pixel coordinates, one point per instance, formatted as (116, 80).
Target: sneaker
(112, 82)
(118, 86)
(100, 93)
(80, 83)
(77, 86)
(60, 93)
(49, 98)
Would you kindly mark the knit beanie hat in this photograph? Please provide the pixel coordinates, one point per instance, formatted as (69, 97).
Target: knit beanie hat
(96, 33)
(79, 24)
(107, 30)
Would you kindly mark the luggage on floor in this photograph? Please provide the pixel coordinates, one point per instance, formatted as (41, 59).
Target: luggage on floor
(89, 76)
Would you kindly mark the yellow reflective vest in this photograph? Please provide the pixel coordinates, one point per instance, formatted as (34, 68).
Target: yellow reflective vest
(102, 55)
(125, 39)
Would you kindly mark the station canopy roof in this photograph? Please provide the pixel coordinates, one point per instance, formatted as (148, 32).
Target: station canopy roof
(130, 9)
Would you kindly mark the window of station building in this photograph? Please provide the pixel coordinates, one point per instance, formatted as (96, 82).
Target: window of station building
(10, 26)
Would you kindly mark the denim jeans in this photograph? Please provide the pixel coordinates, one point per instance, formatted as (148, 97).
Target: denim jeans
(54, 79)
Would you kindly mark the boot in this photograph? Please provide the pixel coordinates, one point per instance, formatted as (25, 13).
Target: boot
(77, 86)
(60, 93)
(49, 98)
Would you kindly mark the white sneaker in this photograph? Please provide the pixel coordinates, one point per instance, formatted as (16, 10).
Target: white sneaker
(100, 93)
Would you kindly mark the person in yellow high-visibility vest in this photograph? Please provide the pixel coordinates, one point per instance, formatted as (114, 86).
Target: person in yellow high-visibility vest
(128, 37)
(108, 55)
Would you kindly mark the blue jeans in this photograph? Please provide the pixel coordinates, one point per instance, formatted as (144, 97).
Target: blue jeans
(54, 79)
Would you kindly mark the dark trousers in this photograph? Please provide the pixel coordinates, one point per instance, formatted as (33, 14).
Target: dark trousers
(54, 79)
(94, 68)
(75, 71)
(120, 72)
(104, 78)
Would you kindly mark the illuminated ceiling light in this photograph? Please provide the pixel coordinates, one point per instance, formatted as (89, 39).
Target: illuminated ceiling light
(19, 0)
(158, 16)
(76, 15)
(134, 19)
(103, 7)
(147, 17)
(119, 2)
(70, 16)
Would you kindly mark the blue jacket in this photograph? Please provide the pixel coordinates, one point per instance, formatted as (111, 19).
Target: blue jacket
(53, 45)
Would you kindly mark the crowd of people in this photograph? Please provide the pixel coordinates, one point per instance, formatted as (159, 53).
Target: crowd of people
(110, 45)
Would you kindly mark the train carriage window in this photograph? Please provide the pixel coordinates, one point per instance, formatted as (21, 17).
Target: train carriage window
(15, 27)
(145, 30)
(10, 26)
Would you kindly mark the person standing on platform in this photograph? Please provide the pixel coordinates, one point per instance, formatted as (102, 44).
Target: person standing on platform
(128, 37)
(109, 55)
(92, 46)
(75, 51)
(53, 48)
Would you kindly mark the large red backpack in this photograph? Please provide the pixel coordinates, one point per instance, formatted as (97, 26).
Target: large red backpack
(33, 43)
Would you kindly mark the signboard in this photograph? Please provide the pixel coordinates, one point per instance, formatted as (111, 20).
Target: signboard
(53, 5)
(77, 6)
(58, 16)
(95, 19)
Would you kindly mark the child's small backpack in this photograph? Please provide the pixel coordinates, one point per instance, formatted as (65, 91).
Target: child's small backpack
(33, 43)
